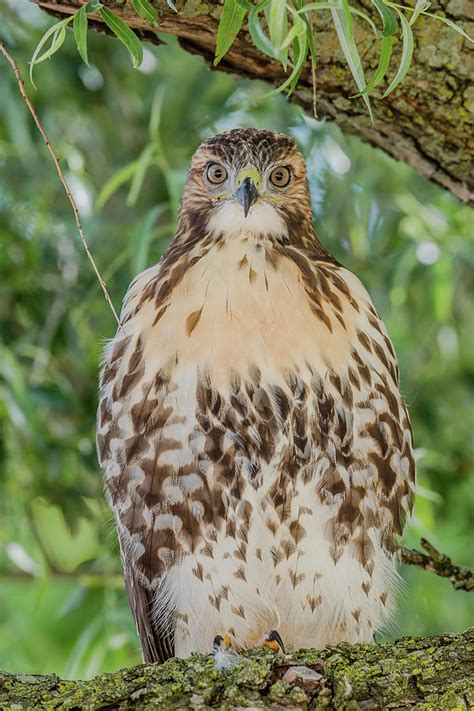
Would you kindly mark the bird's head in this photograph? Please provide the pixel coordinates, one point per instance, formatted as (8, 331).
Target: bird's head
(247, 181)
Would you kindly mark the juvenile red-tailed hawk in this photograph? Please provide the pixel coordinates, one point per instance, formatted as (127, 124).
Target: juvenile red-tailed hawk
(257, 452)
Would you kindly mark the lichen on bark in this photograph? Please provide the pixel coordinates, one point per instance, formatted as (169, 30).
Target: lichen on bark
(430, 674)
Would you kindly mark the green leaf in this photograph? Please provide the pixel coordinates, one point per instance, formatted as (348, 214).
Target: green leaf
(80, 33)
(142, 164)
(389, 20)
(300, 53)
(171, 5)
(298, 28)
(421, 6)
(146, 11)
(142, 240)
(407, 54)
(259, 38)
(230, 23)
(384, 61)
(318, 6)
(114, 183)
(124, 34)
(343, 24)
(390, 27)
(277, 22)
(57, 32)
(450, 24)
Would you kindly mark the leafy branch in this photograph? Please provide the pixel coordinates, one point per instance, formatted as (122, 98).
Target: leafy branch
(280, 29)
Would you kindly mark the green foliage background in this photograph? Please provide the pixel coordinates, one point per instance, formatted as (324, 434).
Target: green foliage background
(125, 138)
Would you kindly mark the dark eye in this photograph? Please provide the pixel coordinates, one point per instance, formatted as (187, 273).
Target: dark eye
(280, 177)
(216, 173)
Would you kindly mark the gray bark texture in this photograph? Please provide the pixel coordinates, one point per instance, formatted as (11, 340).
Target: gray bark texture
(430, 674)
(427, 122)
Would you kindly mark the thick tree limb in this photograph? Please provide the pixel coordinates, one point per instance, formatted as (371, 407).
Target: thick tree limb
(460, 576)
(427, 122)
(430, 673)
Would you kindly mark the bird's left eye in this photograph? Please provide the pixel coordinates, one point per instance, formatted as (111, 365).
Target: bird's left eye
(280, 177)
(216, 173)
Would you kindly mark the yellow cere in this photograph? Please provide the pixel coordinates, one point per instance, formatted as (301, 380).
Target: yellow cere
(251, 173)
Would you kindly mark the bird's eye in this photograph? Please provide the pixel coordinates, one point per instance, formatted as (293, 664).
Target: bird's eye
(216, 173)
(280, 177)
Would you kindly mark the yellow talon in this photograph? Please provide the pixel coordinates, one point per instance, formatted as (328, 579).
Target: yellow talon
(273, 641)
(221, 643)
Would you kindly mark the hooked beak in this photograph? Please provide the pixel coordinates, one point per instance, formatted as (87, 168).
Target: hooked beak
(247, 194)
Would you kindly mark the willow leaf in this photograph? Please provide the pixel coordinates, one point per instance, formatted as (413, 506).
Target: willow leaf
(124, 34)
(80, 33)
(298, 28)
(146, 11)
(407, 54)
(450, 24)
(277, 22)
(389, 20)
(384, 61)
(119, 178)
(230, 23)
(300, 51)
(343, 24)
(259, 38)
(421, 6)
(57, 33)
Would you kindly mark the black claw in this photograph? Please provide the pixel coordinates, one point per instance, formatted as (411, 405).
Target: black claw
(217, 641)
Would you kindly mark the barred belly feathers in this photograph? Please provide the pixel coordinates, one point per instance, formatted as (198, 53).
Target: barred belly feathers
(256, 449)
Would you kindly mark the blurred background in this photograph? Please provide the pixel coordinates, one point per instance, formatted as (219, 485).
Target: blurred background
(124, 138)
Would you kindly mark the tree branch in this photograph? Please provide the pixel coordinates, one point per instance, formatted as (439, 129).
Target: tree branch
(461, 577)
(427, 122)
(428, 673)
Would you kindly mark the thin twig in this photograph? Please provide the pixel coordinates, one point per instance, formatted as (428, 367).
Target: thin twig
(55, 158)
(314, 92)
(460, 576)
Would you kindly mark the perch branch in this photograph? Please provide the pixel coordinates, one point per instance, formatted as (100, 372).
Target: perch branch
(55, 158)
(421, 673)
(461, 577)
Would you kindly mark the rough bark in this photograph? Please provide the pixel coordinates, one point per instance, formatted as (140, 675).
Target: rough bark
(427, 122)
(432, 673)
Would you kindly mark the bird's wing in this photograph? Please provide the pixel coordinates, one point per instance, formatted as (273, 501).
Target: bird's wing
(131, 413)
(381, 429)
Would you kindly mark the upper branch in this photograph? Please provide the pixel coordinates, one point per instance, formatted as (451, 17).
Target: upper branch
(427, 122)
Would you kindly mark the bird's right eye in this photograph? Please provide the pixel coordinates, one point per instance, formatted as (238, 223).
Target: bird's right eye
(216, 173)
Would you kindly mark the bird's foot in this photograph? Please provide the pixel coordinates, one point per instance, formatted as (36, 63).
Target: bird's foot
(224, 656)
(272, 640)
(221, 643)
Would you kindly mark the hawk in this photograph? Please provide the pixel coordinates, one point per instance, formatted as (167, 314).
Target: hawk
(256, 449)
